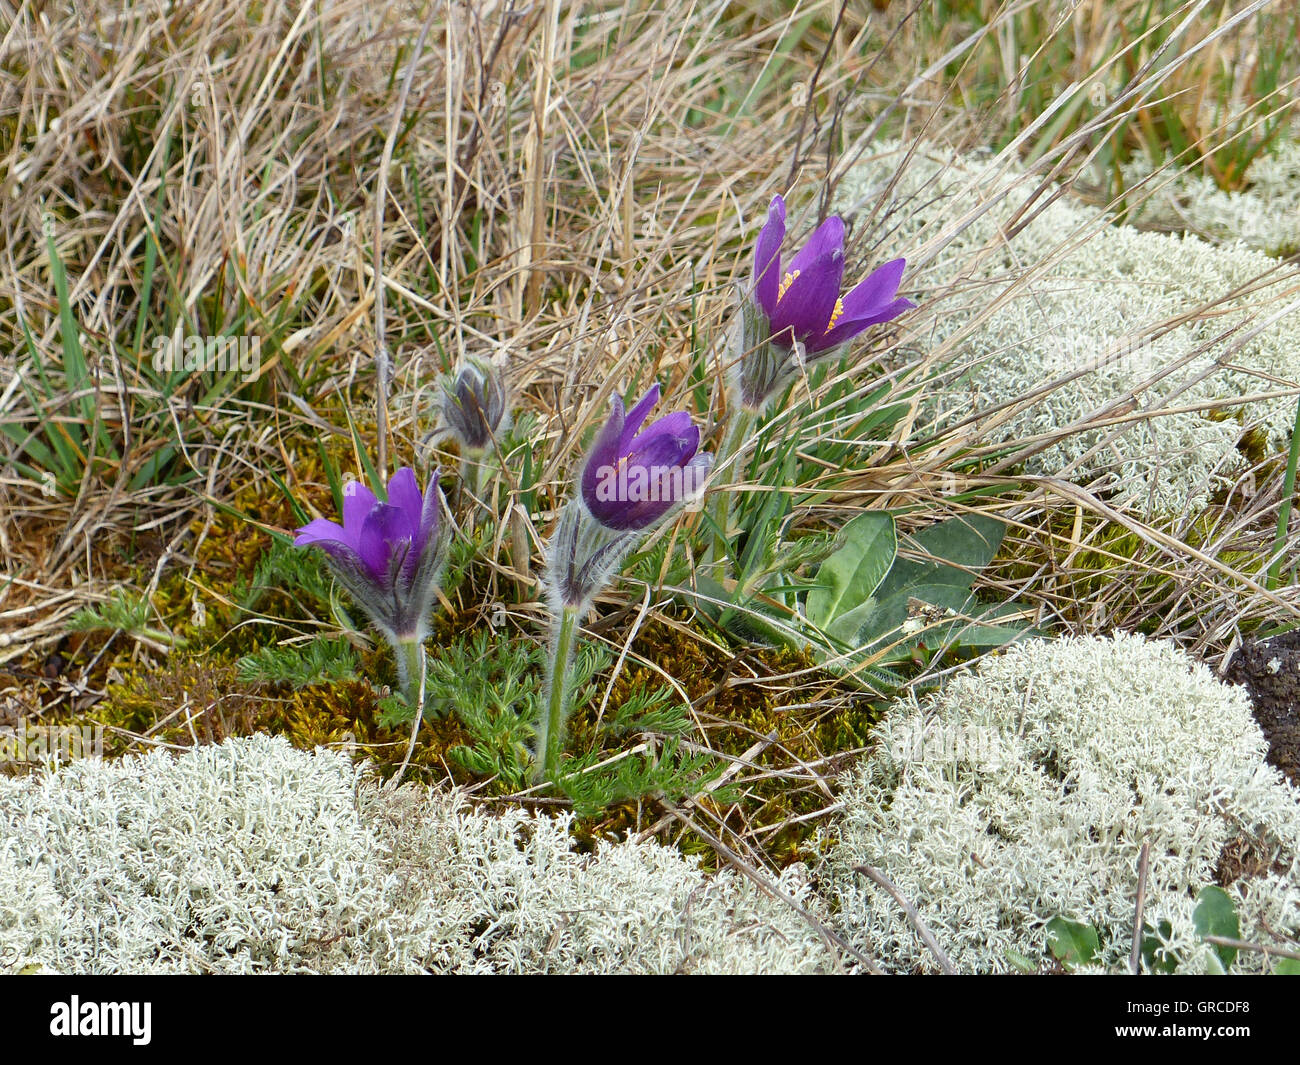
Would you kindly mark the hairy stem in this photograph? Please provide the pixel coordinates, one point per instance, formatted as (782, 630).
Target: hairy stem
(738, 432)
(412, 673)
(550, 732)
(1284, 511)
(471, 480)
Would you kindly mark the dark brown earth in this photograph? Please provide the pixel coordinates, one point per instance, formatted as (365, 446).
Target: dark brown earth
(1270, 670)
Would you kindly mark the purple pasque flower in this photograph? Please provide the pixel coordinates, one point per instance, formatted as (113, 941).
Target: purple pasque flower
(387, 555)
(801, 308)
(633, 476)
(804, 304)
(633, 479)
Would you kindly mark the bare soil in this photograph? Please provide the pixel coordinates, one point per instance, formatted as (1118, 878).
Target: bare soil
(1270, 670)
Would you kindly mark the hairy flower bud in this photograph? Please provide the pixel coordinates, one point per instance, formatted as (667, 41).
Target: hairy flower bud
(474, 406)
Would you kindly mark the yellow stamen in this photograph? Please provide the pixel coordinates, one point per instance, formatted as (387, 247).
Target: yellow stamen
(835, 314)
(786, 282)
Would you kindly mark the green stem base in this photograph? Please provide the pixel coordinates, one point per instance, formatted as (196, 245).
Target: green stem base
(411, 671)
(550, 731)
(733, 444)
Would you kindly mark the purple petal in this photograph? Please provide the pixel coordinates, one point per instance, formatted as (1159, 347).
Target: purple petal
(321, 531)
(829, 238)
(846, 331)
(385, 533)
(808, 303)
(610, 438)
(672, 440)
(656, 483)
(606, 450)
(876, 290)
(650, 497)
(469, 388)
(637, 458)
(636, 417)
(678, 422)
(767, 256)
(358, 502)
(330, 537)
(404, 494)
(640, 514)
(429, 515)
(427, 532)
(342, 554)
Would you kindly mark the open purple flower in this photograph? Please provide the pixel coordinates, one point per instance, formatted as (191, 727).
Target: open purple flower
(634, 477)
(801, 307)
(387, 555)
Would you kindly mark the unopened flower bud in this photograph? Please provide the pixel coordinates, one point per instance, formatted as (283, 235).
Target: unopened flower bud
(474, 406)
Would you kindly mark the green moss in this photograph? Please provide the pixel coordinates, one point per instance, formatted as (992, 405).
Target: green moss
(199, 700)
(740, 699)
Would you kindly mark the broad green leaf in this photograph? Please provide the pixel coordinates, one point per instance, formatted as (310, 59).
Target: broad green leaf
(850, 576)
(1158, 960)
(1215, 915)
(976, 623)
(894, 606)
(967, 543)
(1071, 942)
(958, 549)
(1287, 967)
(848, 627)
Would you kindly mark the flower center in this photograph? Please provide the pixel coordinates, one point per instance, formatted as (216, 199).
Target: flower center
(786, 282)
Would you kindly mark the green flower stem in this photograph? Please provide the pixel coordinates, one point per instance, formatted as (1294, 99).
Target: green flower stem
(412, 673)
(738, 433)
(1284, 511)
(410, 666)
(550, 736)
(471, 478)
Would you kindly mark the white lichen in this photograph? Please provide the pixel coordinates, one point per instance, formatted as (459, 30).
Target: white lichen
(29, 911)
(1148, 318)
(1264, 214)
(1086, 747)
(252, 856)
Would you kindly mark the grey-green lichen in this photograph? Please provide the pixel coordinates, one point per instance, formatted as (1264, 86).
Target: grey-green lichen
(251, 856)
(1025, 789)
(1265, 214)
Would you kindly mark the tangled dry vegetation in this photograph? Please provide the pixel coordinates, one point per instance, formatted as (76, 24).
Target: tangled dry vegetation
(572, 190)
